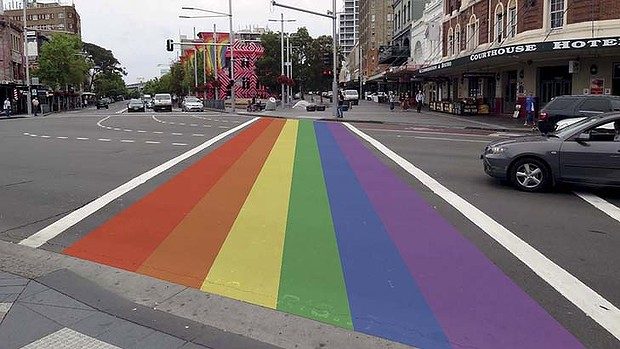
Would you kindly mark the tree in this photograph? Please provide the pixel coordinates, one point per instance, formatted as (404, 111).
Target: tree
(103, 62)
(268, 66)
(110, 84)
(61, 62)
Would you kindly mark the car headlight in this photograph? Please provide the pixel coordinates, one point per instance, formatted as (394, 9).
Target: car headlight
(495, 150)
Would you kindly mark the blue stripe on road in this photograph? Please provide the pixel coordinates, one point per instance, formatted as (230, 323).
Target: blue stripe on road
(384, 299)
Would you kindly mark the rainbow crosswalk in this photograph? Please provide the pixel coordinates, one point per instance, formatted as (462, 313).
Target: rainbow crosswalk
(302, 217)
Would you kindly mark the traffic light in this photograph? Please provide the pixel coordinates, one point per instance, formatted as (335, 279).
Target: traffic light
(170, 45)
(328, 73)
(327, 59)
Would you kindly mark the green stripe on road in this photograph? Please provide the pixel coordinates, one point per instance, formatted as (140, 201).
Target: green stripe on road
(311, 283)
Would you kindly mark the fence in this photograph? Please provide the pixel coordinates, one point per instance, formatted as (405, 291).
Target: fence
(215, 104)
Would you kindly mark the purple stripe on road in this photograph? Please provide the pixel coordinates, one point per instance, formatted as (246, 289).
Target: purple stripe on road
(476, 304)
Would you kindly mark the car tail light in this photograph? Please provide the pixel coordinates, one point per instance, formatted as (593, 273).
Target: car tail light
(543, 116)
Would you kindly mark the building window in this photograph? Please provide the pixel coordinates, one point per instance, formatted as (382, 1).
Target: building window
(499, 22)
(512, 18)
(450, 41)
(457, 39)
(389, 17)
(472, 33)
(557, 13)
(61, 15)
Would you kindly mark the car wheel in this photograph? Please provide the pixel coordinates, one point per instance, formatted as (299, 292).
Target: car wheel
(530, 175)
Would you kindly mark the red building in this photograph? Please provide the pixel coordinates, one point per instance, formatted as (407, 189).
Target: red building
(216, 58)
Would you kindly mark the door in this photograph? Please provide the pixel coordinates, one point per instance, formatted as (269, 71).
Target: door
(595, 158)
(554, 81)
(510, 92)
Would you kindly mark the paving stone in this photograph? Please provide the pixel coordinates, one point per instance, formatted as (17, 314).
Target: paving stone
(51, 297)
(97, 324)
(159, 340)
(13, 282)
(9, 298)
(192, 346)
(61, 314)
(125, 335)
(67, 338)
(32, 288)
(22, 326)
(11, 289)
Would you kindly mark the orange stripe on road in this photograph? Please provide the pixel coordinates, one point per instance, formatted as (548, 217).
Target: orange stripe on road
(129, 238)
(186, 256)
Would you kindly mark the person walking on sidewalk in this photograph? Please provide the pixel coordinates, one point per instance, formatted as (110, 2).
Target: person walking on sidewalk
(419, 100)
(392, 100)
(340, 113)
(35, 106)
(530, 110)
(7, 107)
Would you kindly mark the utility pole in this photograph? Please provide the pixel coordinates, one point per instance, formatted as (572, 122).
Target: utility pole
(282, 21)
(288, 67)
(360, 70)
(27, 63)
(215, 72)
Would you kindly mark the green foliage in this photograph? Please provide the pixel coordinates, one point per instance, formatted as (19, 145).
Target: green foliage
(110, 84)
(268, 67)
(61, 62)
(105, 71)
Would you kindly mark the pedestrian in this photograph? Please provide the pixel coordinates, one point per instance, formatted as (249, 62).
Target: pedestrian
(419, 99)
(340, 113)
(35, 106)
(530, 110)
(392, 100)
(7, 107)
(406, 101)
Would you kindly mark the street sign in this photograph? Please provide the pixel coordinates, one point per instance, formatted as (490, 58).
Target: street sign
(34, 81)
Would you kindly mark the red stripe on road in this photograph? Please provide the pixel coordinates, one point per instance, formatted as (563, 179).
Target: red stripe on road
(129, 238)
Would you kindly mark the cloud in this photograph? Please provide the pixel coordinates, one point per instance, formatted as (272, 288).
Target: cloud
(136, 30)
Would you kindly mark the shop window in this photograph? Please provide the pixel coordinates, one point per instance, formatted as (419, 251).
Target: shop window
(499, 23)
(472, 33)
(557, 13)
(512, 19)
(474, 87)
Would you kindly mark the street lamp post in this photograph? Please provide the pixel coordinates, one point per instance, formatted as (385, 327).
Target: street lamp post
(231, 43)
(282, 64)
(27, 64)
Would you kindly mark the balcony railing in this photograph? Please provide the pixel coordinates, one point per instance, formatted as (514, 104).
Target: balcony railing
(394, 55)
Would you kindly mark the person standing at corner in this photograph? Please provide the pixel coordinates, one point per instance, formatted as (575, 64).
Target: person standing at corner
(392, 100)
(35, 106)
(530, 110)
(419, 100)
(7, 107)
(340, 114)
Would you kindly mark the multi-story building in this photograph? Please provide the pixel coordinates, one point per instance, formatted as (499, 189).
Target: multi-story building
(406, 12)
(496, 52)
(376, 28)
(48, 17)
(348, 26)
(11, 57)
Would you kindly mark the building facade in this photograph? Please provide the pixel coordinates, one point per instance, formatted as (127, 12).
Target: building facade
(348, 26)
(495, 52)
(376, 28)
(48, 18)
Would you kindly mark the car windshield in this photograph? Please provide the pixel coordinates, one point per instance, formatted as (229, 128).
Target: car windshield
(162, 97)
(135, 101)
(568, 130)
(192, 99)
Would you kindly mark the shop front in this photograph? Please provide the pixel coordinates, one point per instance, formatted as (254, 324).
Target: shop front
(498, 80)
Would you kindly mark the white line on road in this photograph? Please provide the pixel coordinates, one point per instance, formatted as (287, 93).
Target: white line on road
(46, 136)
(449, 139)
(152, 142)
(198, 135)
(33, 135)
(157, 132)
(127, 141)
(222, 127)
(141, 131)
(601, 204)
(62, 137)
(81, 138)
(128, 130)
(51, 231)
(591, 303)
(182, 124)
(99, 123)
(104, 140)
(121, 111)
(194, 125)
(26, 134)
(179, 144)
(177, 134)
(117, 129)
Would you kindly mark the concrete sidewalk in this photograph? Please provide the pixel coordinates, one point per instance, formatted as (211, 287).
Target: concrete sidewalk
(371, 112)
(49, 300)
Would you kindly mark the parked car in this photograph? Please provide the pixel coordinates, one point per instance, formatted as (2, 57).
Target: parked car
(587, 151)
(351, 96)
(135, 105)
(191, 103)
(565, 107)
(162, 101)
(103, 103)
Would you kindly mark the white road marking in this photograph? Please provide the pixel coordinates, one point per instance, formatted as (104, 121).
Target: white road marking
(81, 138)
(62, 137)
(591, 303)
(127, 141)
(141, 131)
(121, 111)
(449, 139)
(198, 135)
(177, 134)
(601, 204)
(104, 140)
(222, 127)
(194, 125)
(33, 135)
(117, 129)
(100, 122)
(128, 130)
(26, 134)
(46, 136)
(51, 231)
(157, 132)
(152, 142)
(179, 144)
(182, 124)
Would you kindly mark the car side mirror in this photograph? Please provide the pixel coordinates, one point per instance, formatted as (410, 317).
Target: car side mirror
(583, 137)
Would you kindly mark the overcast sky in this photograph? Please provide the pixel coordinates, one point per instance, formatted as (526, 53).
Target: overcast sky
(136, 30)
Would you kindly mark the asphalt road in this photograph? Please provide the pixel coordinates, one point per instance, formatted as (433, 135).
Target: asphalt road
(51, 166)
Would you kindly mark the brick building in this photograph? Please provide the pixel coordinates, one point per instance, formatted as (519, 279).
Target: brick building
(376, 28)
(49, 17)
(497, 51)
(12, 71)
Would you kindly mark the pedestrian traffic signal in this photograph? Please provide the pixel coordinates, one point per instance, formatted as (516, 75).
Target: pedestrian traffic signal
(170, 45)
(328, 73)
(327, 59)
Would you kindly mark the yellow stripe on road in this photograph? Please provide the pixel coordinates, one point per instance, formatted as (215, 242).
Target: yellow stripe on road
(248, 265)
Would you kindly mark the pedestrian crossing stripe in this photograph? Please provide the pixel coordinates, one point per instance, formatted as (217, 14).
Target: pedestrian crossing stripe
(302, 217)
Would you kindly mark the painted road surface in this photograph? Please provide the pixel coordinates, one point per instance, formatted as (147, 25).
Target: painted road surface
(301, 217)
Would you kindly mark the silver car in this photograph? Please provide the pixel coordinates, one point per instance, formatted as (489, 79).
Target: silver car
(192, 103)
(586, 152)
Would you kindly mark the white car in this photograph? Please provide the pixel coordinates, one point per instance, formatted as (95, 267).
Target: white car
(162, 101)
(351, 96)
(192, 103)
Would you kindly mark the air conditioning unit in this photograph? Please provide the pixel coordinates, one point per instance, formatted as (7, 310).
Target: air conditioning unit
(573, 67)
